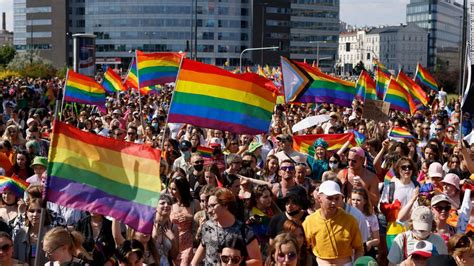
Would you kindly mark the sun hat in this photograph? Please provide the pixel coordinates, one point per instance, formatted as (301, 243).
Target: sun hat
(435, 170)
(423, 248)
(329, 188)
(254, 146)
(39, 160)
(439, 198)
(452, 179)
(422, 218)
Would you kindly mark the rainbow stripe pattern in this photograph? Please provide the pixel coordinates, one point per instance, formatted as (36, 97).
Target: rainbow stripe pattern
(424, 77)
(205, 152)
(304, 143)
(83, 89)
(112, 81)
(399, 98)
(103, 175)
(450, 142)
(157, 68)
(211, 97)
(132, 79)
(365, 87)
(13, 184)
(326, 89)
(381, 82)
(400, 132)
(415, 90)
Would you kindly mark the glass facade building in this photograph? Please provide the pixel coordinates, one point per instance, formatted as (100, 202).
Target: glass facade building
(442, 19)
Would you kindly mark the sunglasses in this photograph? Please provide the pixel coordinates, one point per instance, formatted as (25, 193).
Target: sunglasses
(5, 247)
(406, 167)
(333, 161)
(199, 162)
(287, 168)
(291, 256)
(438, 129)
(232, 259)
(351, 161)
(34, 210)
(443, 208)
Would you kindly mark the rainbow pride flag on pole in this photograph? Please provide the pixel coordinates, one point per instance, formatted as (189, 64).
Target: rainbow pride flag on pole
(424, 77)
(365, 87)
(83, 89)
(103, 175)
(382, 79)
(304, 143)
(400, 132)
(157, 68)
(325, 88)
(415, 90)
(211, 97)
(399, 98)
(112, 81)
(132, 79)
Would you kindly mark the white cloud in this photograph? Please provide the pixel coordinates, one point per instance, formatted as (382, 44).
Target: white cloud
(7, 6)
(373, 12)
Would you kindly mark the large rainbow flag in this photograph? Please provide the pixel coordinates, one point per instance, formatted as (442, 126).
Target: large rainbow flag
(157, 68)
(399, 98)
(83, 89)
(365, 87)
(211, 97)
(381, 82)
(325, 88)
(103, 175)
(304, 143)
(415, 90)
(132, 79)
(112, 81)
(424, 77)
(13, 184)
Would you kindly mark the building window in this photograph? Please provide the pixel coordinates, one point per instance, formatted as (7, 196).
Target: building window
(348, 46)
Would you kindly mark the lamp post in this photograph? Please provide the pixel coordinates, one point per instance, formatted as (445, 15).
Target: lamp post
(149, 34)
(317, 50)
(255, 49)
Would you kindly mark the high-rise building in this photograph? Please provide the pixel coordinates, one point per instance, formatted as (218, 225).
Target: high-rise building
(39, 26)
(6, 37)
(442, 19)
(214, 32)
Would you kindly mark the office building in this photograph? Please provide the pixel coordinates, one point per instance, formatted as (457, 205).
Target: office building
(214, 32)
(442, 19)
(39, 26)
(6, 37)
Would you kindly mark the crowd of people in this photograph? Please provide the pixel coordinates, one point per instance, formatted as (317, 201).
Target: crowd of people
(256, 200)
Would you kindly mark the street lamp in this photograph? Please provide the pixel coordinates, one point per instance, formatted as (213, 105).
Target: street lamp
(255, 49)
(149, 34)
(317, 50)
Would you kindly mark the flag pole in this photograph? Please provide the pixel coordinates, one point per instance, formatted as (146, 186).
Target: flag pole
(171, 102)
(139, 93)
(39, 250)
(64, 95)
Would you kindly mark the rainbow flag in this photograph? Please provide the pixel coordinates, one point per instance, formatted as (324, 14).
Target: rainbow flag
(150, 90)
(260, 71)
(388, 176)
(112, 81)
(400, 132)
(205, 152)
(415, 90)
(132, 78)
(82, 89)
(424, 77)
(157, 68)
(382, 67)
(359, 137)
(325, 88)
(103, 175)
(211, 97)
(365, 87)
(450, 142)
(13, 184)
(399, 98)
(381, 82)
(304, 143)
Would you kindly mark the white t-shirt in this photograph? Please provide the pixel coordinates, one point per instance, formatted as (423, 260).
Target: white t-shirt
(396, 253)
(361, 221)
(402, 192)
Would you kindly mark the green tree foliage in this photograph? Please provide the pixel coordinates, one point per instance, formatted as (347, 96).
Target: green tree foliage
(30, 64)
(7, 53)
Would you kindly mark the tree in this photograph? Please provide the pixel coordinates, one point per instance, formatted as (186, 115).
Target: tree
(30, 64)
(7, 53)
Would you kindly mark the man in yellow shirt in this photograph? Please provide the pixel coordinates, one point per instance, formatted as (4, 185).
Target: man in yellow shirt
(332, 233)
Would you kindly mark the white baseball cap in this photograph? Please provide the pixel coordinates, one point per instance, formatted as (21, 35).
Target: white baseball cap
(329, 188)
